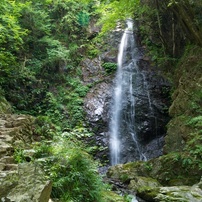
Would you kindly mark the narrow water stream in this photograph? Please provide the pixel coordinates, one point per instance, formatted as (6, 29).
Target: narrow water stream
(123, 105)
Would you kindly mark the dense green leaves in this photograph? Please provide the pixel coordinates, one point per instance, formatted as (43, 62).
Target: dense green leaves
(40, 49)
(71, 169)
(11, 38)
(112, 11)
(110, 67)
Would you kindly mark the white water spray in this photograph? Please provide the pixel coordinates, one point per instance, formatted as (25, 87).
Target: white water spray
(124, 87)
(117, 107)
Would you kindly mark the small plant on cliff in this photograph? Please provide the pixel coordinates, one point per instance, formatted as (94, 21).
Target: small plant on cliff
(44, 128)
(110, 67)
(196, 122)
(148, 166)
(19, 156)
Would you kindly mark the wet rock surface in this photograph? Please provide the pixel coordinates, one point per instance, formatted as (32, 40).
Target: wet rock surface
(98, 100)
(151, 108)
(97, 104)
(150, 93)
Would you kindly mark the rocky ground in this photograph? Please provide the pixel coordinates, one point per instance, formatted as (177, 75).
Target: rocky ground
(24, 181)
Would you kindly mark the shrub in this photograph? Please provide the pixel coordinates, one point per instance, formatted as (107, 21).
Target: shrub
(73, 172)
(110, 67)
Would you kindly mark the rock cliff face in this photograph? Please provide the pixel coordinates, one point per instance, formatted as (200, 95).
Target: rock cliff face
(19, 182)
(176, 175)
(150, 123)
(97, 101)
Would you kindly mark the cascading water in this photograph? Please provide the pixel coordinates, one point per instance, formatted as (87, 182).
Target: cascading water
(129, 81)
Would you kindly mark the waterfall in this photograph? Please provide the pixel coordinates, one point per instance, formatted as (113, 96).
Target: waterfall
(128, 81)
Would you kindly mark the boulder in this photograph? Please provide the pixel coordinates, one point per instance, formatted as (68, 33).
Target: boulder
(92, 70)
(31, 185)
(180, 193)
(150, 181)
(145, 187)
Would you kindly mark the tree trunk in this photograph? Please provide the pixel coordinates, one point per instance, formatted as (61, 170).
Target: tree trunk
(185, 14)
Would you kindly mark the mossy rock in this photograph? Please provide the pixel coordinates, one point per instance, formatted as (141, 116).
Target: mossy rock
(179, 193)
(109, 196)
(8, 180)
(175, 169)
(149, 193)
(172, 169)
(5, 107)
(128, 171)
(186, 98)
(179, 131)
(145, 187)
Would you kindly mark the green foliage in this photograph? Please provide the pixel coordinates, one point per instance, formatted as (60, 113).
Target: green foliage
(83, 183)
(11, 39)
(110, 67)
(53, 108)
(194, 144)
(92, 50)
(83, 18)
(77, 133)
(196, 122)
(68, 165)
(43, 149)
(57, 55)
(74, 101)
(39, 46)
(148, 166)
(19, 156)
(73, 172)
(44, 127)
(113, 11)
(40, 42)
(187, 162)
(197, 151)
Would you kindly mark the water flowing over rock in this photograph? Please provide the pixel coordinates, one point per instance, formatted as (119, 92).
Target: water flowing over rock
(151, 103)
(19, 182)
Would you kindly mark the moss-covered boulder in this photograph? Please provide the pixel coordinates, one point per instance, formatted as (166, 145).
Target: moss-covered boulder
(145, 187)
(180, 193)
(144, 179)
(5, 107)
(31, 186)
(110, 196)
(187, 101)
